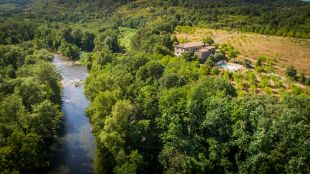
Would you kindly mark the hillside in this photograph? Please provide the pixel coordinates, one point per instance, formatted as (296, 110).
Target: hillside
(265, 17)
(285, 51)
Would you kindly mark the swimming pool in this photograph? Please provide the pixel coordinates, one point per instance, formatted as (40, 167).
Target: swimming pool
(224, 65)
(230, 67)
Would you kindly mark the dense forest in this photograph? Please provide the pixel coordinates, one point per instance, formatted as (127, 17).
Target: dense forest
(30, 108)
(166, 116)
(151, 111)
(264, 17)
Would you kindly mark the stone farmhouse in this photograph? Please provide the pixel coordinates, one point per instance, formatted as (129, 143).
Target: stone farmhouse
(201, 50)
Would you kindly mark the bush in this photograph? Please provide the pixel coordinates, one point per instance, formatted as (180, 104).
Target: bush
(269, 68)
(302, 78)
(204, 69)
(247, 63)
(237, 76)
(210, 62)
(227, 75)
(188, 56)
(260, 60)
(242, 93)
(296, 90)
(214, 71)
(208, 40)
(253, 89)
(278, 83)
(268, 90)
(259, 63)
(218, 57)
(251, 78)
(307, 81)
(291, 72)
(264, 82)
(233, 54)
(259, 69)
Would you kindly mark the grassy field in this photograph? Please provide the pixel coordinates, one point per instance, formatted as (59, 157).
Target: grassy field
(284, 51)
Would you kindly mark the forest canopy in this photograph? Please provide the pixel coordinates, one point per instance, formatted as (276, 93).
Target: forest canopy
(165, 116)
(29, 108)
(264, 17)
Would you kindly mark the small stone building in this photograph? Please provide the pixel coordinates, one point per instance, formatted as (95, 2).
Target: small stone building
(187, 47)
(205, 52)
(200, 49)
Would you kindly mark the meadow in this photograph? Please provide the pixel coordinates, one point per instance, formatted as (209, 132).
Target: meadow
(284, 51)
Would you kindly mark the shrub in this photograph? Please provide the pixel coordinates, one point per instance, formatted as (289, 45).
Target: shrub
(233, 54)
(260, 60)
(227, 75)
(188, 56)
(181, 40)
(204, 69)
(282, 92)
(208, 40)
(263, 83)
(268, 90)
(218, 57)
(259, 69)
(291, 72)
(307, 81)
(250, 76)
(269, 68)
(237, 76)
(210, 62)
(214, 71)
(302, 78)
(242, 93)
(296, 90)
(216, 45)
(247, 63)
(278, 83)
(253, 89)
(259, 63)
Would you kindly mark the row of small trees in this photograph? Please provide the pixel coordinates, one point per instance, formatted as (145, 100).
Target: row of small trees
(291, 72)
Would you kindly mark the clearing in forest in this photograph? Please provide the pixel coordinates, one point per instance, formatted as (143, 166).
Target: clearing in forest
(283, 50)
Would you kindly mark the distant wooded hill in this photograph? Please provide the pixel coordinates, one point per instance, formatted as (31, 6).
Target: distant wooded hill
(280, 17)
(16, 1)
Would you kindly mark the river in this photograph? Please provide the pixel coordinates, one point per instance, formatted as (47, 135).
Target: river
(73, 150)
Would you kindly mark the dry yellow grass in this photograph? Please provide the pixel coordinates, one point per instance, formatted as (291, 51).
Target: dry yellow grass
(285, 51)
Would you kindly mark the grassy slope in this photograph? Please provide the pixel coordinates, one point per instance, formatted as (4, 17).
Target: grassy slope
(285, 51)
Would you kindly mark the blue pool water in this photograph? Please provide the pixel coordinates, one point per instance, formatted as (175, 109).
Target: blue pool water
(224, 65)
